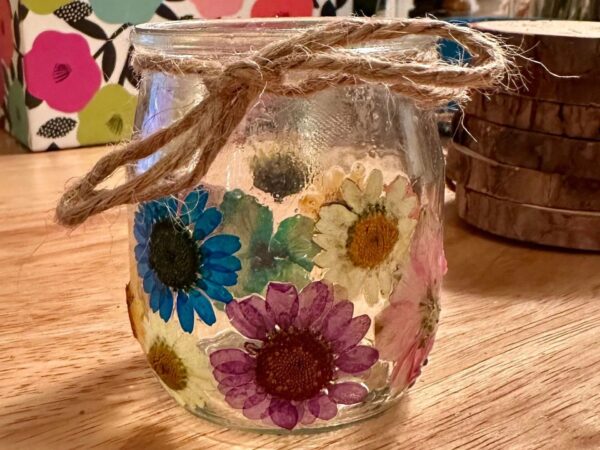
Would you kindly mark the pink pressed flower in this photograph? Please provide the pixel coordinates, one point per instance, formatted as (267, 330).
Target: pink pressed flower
(211, 9)
(60, 70)
(282, 8)
(301, 345)
(405, 329)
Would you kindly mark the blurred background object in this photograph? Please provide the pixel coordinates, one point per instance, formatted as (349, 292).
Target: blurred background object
(566, 9)
(526, 161)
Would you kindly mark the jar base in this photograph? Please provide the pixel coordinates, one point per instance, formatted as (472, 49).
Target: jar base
(356, 415)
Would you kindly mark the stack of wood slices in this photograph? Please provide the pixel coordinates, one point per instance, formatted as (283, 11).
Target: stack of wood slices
(526, 163)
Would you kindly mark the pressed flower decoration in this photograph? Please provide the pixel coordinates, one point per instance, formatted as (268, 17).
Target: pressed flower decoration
(279, 171)
(405, 329)
(326, 188)
(283, 256)
(365, 237)
(179, 255)
(174, 357)
(302, 358)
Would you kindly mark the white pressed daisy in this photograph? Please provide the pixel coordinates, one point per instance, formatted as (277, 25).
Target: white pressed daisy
(182, 369)
(326, 188)
(365, 237)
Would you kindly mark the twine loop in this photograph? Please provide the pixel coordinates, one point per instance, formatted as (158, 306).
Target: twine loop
(325, 56)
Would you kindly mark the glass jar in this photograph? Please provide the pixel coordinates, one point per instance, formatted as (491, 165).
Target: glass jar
(298, 287)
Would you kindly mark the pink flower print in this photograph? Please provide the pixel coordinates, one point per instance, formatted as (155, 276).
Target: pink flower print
(60, 70)
(282, 8)
(211, 9)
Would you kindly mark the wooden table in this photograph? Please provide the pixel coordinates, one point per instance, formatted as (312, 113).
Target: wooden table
(516, 365)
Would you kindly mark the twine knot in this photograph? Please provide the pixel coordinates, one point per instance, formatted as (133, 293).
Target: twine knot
(325, 57)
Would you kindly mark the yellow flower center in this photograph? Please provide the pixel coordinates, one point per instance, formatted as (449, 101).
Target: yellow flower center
(371, 239)
(168, 365)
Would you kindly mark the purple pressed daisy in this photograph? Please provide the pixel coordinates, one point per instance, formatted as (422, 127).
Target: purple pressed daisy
(302, 355)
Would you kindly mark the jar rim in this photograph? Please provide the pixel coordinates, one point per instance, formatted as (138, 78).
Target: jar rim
(229, 36)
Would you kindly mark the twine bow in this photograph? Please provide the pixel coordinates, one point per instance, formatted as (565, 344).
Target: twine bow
(320, 51)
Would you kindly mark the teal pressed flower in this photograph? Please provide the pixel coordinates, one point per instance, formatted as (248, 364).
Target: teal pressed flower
(179, 256)
(283, 256)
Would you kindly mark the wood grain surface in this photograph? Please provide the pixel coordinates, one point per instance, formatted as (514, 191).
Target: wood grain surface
(538, 151)
(515, 364)
(560, 60)
(535, 115)
(519, 185)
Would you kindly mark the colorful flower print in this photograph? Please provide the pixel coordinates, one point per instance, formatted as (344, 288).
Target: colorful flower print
(405, 330)
(285, 256)
(282, 8)
(211, 9)
(365, 239)
(178, 255)
(125, 11)
(184, 371)
(45, 6)
(108, 117)
(302, 359)
(6, 33)
(17, 112)
(326, 188)
(60, 70)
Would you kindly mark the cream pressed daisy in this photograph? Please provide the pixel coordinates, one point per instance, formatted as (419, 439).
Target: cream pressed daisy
(365, 237)
(326, 188)
(182, 369)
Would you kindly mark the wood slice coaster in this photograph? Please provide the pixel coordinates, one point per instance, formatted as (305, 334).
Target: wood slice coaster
(555, 227)
(520, 185)
(536, 115)
(565, 48)
(530, 150)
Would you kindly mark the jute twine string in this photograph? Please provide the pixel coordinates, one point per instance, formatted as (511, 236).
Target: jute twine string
(322, 52)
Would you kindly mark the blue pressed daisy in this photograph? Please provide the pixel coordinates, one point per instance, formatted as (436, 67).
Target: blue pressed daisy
(181, 260)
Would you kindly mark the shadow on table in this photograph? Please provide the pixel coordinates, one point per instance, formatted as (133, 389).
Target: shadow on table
(481, 263)
(122, 406)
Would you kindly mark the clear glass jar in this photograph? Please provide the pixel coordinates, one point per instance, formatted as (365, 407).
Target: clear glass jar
(298, 287)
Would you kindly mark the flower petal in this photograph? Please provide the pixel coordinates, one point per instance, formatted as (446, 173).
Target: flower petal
(203, 307)
(373, 186)
(282, 303)
(166, 306)
(260, 410)
(347, 393)
(337, 215)
(371, 288)
(155, 298)
(229, 380)
(215, 291)
(352, 334)
(357, 359)
(149, 281)
(314, 301)
(221, 245)
(334, 241)
(140, 232)
(322, 407)
(283, 413)
(185, 312)
(250, 317)
(141, 254)
(337, 320)
(222, 277)
(232, 361)
(230, 263)
(353, 196)
(195, 202)
(207, 223)
(236, 397)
